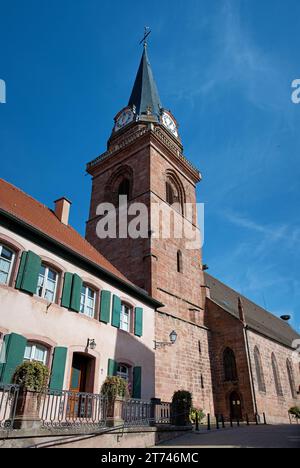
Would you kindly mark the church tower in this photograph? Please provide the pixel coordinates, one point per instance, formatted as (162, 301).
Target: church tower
(144, 162)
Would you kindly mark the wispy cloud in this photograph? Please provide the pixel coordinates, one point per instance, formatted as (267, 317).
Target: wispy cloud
(286, 233)
(237, 60)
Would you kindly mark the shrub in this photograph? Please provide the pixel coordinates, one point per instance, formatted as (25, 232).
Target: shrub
(295, 411)
(182, 405)
(114, 387)
(194, 412)
(32, 376)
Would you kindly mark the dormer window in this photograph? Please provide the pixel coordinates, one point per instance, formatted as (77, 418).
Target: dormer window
(7, 257)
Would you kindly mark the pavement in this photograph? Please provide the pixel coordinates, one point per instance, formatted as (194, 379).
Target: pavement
(243, 437)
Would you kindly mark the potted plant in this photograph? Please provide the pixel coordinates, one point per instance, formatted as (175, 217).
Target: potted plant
(295, 412)
(115, 389)
(196, 412)
(181, 407)
(32, 377)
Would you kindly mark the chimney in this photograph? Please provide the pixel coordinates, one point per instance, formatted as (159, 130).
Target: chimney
(62, 210)
(241, 311)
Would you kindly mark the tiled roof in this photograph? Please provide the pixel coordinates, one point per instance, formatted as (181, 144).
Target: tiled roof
(29, 210)
(257, 318)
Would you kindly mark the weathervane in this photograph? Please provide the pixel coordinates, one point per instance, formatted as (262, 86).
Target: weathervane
(146, 34)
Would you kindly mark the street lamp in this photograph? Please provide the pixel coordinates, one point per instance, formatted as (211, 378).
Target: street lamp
(163, 344)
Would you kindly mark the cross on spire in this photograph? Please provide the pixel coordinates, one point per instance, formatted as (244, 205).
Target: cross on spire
(147, 33)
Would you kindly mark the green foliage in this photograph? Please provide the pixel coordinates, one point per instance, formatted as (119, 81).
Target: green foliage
(182, 404)
(114, 387)
(193, 413)
(32, 376)
(295, 411)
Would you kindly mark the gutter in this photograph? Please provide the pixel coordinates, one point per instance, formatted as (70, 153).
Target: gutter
(134, 290)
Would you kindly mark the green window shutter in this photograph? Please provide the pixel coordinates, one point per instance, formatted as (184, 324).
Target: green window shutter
(21, 270)
(116, 312)
(31, 273)
(112, 368)
(3, 354)
(66, 295)
(14, 356)
(138, 321)
(76, 293)
(105, 306)
(137, 383)
(58, 369)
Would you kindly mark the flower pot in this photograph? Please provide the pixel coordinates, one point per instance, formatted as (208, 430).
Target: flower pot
(115, 412)
(27, 410)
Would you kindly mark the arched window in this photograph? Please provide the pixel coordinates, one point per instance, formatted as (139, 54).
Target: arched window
(123, 371)
(175, 195)
(230, 369)
(36, 352)
(259, 371)
(7, 257)
(291, 378)
(47, 283)
(124, 188)
(170, 197)
(276, 376)
(87, 301)
(179, 262)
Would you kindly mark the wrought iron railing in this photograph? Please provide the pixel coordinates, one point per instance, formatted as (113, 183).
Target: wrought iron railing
(65, 409)
(8, 404)
(163, 413)
(137, 413)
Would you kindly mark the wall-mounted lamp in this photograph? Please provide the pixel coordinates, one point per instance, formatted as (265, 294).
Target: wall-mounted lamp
(91, 344)
(163, 344)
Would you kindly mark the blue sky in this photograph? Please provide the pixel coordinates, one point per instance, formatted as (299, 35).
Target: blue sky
(225, 70)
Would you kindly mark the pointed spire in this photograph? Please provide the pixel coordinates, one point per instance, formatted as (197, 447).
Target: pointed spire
(145, 95)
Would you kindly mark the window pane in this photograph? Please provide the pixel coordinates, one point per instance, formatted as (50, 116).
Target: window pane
(28, 351)
(3, 278)
(4, 265)
(52, 275)
(6, 253)
(40, 354)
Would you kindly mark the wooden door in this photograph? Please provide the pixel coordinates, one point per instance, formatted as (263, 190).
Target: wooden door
(77, 385)
(235, 406)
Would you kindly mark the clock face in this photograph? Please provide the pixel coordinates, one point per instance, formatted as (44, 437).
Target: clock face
(124, 119)
(169, 123)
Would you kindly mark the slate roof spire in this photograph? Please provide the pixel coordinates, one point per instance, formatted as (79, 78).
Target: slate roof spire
(145, 95)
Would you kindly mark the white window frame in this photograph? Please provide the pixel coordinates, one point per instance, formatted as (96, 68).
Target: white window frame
(125, 325)
(124, 375)
(86, 298)
(34, 347)
(44, 288)
(12, 261)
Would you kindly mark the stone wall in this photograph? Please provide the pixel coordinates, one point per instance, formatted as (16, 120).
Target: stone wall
(181, 366)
